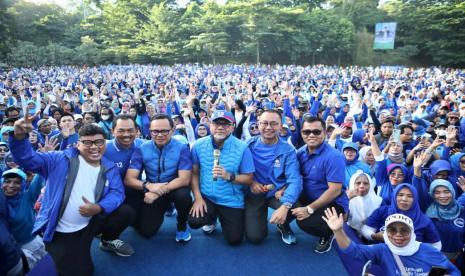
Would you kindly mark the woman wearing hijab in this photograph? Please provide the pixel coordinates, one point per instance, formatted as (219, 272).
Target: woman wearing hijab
(353, 164)
(363, 200)
(401, 254)
(366, 156)
(449, 218)
(404, 201)
(21, 216)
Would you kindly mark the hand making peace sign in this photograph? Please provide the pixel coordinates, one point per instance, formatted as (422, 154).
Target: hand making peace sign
(24, 125)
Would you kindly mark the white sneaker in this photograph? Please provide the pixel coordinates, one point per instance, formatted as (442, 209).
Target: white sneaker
(208, 229)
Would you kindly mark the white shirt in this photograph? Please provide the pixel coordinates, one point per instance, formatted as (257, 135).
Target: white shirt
(84, 185)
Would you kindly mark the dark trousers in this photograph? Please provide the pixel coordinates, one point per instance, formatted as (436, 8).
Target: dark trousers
(150, 217)
(71, 251)
(315, 225)
(256, 216)
(231, 220)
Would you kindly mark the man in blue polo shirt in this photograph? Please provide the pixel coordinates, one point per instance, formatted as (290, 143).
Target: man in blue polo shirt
(167, 164)
(219, 184)
(323, 171)
(277, 182)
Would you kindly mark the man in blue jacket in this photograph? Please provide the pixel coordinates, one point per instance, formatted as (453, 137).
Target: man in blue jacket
(83, 190)
(219, 184)
(277, 182)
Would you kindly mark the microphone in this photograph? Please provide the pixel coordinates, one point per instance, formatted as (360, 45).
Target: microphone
(216, 160)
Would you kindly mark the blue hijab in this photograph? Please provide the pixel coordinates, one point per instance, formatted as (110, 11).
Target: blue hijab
(441, 212)
(419, 219)
(197, 128)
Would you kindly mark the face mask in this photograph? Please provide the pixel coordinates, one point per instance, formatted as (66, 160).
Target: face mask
(105, 117)
(32, 111)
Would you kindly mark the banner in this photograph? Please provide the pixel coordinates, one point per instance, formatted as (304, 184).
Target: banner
(385, 34)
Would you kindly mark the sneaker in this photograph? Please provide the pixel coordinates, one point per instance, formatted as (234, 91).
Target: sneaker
(324, 244)
(208, 229)
(287, 235)
(171, 211)
(183, 236)
(118, 247)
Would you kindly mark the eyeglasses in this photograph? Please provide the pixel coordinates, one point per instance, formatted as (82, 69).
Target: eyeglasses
(397, 175)
(254, 127)
(307, 132)
(89, 143)
(4, 150)
(402, 231)
(163, 132)
(266, 124)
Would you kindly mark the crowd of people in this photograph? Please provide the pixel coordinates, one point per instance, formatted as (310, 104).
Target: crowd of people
(88, 152)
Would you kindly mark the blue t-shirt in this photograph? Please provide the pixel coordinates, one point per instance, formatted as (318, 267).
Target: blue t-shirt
(325, 164)
(263, 157)
(451, 233)
(420, 263)
(428, 234)
(119, 155)
(246, 166)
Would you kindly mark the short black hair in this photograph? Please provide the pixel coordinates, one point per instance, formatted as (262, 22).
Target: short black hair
(312, 119)
(122, 117)
(91, 129)
(91, 113)
(403, 127)
(10, 109)
(67, 114)
(274, 111)
(160, 116)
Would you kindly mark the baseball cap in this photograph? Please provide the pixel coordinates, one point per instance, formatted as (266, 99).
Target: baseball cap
(15, 171)
(77, 117)
(399, 218)
(222, 114)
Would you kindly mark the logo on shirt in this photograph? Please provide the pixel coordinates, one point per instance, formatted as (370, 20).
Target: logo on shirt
(277, 163)
(459, 222)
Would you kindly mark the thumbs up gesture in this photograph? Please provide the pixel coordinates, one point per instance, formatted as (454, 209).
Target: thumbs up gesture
(89, 209)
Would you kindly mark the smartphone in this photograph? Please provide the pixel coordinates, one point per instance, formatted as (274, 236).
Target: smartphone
(396, 135)
(437, 271)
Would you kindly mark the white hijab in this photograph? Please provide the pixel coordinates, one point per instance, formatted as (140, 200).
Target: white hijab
(412, 246)
(361, 207)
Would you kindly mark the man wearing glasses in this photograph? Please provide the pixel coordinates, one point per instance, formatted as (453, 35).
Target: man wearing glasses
(82, 196)
(219, 183)
(323, 171)
(167, 164)
(277, 182)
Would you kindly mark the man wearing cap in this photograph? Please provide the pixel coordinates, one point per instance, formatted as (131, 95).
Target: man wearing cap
(278, 188)
(167, 164)
(219, 182)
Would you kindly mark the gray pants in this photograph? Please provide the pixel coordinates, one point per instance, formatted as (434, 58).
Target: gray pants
(256, 216)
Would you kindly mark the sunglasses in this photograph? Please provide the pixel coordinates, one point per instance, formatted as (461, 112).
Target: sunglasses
(307, 132)
(4, 150)
(454, 118)
(462, 162)
(403, 231)
(254, 127)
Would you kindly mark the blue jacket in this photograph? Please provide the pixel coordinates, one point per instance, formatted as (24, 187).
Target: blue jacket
(10, 252)
(221, 192)
(56, 167)
(420, 262)
(285, 172)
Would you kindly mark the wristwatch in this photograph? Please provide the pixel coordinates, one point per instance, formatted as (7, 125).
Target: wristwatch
(144, 186)
(232, 177)
(287, 205)
(310, 210)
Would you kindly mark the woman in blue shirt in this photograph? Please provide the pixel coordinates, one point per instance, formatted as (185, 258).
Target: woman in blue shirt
(404, 201)
(402, 254)
(448, 216)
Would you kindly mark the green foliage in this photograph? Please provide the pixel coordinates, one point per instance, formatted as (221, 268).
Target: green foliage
(262, 31)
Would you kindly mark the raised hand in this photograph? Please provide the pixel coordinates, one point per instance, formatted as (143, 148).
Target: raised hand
(461, 183)
(24, 126)
(335, 222)
(49, 144)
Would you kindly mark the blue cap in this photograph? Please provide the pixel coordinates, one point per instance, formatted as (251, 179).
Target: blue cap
(350, 145)
(222, 114)
(18, 172)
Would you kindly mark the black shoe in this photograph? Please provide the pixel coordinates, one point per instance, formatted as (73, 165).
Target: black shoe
(287, 235)
(118, 247)
(324, 244)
